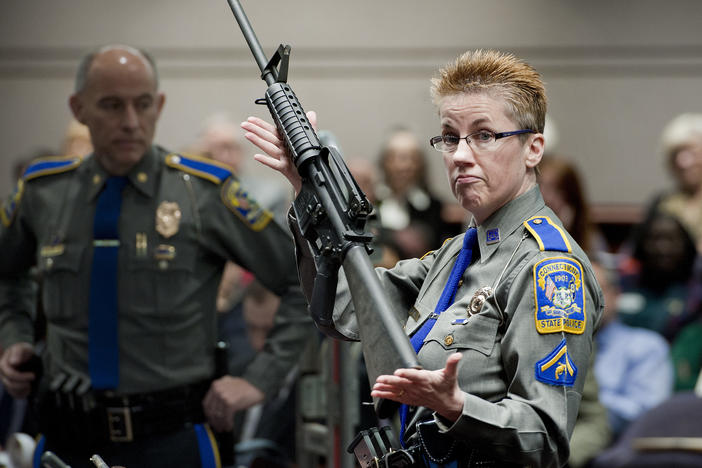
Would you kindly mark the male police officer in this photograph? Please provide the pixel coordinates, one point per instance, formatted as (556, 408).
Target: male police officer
(130, 243)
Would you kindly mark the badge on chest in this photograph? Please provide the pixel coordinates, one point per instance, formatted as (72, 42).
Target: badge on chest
(168, 218)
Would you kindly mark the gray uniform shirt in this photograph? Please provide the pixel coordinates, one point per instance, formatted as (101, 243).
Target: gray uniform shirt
(506, 411)
(168, 272)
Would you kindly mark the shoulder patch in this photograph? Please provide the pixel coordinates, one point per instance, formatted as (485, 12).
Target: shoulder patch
(557, 368)
(9, 207)
(558, 296)
(201, 167)
(238, 201)
(549, 235)
(51, 165)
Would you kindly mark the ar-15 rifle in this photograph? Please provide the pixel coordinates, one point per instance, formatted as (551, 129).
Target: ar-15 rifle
(331, 213)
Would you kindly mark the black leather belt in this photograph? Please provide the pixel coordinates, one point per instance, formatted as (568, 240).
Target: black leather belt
(104, 416)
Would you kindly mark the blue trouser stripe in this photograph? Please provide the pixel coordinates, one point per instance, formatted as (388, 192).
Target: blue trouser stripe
(209, 454)
(38, 452)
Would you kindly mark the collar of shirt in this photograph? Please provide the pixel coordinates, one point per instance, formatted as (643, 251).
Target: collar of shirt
(508, 219)
(142, 176)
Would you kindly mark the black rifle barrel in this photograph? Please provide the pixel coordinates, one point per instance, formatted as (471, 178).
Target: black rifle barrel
(269, 76)
(328, 220)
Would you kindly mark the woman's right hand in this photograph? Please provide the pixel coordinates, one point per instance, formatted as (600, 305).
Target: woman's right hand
(265, 136)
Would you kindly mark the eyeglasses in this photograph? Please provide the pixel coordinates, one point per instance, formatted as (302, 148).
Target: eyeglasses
(481, 140)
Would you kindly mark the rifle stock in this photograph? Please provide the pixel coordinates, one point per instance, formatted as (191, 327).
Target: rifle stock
(331, 212)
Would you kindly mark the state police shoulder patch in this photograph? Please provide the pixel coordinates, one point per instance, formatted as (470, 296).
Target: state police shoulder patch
(558, 296)
(238, 201)
(9, 207)
(557, 368)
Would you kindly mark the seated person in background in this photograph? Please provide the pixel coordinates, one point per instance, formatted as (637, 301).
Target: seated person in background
(592, 432)
(657, 276)
(665, 436)
(219, 140)
(686, 352)
(76, 141)
(564, 192)
(415, 217)
(681, 144)
(385, 251)
(632, 365)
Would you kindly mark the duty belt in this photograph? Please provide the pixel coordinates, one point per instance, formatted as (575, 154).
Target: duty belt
(122, 418)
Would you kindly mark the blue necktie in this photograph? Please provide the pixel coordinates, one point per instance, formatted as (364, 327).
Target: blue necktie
(446, 299)
(103, 334)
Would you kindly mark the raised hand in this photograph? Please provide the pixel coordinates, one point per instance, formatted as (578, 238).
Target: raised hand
(266, 137)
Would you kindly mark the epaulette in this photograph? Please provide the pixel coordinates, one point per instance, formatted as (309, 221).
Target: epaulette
(50, 165)
(549, 235)
(201, 167)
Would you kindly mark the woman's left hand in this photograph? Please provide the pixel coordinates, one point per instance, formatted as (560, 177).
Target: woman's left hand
(437, 390)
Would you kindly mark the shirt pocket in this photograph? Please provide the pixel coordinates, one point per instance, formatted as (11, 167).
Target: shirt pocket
(161, 279)
(63, 286)
(477, 332)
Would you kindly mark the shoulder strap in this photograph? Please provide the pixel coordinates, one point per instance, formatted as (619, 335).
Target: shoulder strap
(549, 235)
(50, 165)
(201, 167)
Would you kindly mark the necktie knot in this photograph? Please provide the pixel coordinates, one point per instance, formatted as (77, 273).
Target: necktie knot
(116, 183)
(470, 238)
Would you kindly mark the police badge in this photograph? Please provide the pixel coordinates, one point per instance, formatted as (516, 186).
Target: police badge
(559, 297)
(168, 218)
(478, 299)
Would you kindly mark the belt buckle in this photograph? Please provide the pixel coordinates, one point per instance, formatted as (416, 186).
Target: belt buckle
(119, 423)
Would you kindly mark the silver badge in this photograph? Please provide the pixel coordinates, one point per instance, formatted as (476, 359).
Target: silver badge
(168, 218)
(479, 298)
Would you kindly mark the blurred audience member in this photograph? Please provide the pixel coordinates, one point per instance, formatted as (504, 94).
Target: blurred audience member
(681, 144)
(657, 276)
(632, 365)
(219, 139)
(665, 436)
(592, 433)
(247, 309)
(385, 251)
(76, 141)
(686, 351)
(418, 220)
(366, 176)
(564, 192)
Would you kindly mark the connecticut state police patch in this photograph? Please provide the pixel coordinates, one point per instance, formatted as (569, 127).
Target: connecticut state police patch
(239, 202)
(559, 297)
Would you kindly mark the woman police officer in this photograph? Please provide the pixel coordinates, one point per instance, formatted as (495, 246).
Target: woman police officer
(504, 344)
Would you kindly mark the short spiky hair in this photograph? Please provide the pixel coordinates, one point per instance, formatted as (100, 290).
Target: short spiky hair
(490, 71)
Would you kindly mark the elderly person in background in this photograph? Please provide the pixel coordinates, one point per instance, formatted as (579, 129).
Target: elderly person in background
(523, 312)
(681, 143)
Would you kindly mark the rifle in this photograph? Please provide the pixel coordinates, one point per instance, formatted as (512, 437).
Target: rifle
(331, 212)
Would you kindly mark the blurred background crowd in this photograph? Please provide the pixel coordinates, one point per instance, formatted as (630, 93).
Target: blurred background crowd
(638, 213)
